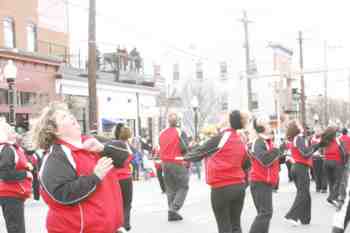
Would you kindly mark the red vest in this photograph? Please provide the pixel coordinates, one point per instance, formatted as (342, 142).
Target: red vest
(169, 144)
(332, 152)
(260, 173)
(297, 156)
(225, 166)
(17, 189)
(101, 212)
(125, 172)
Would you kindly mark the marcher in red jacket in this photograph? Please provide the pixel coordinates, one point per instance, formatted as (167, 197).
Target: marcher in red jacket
(79, 187)
(345, 138)
(264, 174)
(15, 180)
(225, 157)
(122, 132)
(173, 144)
(300, 212)
(318, 166)
(335, 159)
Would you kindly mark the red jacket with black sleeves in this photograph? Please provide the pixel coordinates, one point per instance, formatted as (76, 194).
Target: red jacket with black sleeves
(226, 155)
(265, 162)
(13, 172)
(125, 172)
(332, 151)
(301, 150)
(172, 145)
(78, 200)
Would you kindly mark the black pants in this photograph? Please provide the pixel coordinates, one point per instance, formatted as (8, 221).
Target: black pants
(344, 184)
(176, 178)
(227, 203)
(320, 174)
(127, 191)
(161, 179)
(342, 217)
(135, 171)
(262, 197)
(13, 211)
(289, 168)
(334, 173)
(301, 208)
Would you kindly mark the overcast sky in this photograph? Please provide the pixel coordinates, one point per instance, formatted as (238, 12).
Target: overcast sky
(167, 31)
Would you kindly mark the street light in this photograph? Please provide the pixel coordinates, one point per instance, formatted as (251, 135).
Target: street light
(195, 106)
(10, 73)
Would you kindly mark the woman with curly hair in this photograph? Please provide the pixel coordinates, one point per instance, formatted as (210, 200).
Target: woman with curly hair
(300, 212)
(78, 185)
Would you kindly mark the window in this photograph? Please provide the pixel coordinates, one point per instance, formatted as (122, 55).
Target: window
(31, 38)
(9, 33)
(3, 96)
(25, 99)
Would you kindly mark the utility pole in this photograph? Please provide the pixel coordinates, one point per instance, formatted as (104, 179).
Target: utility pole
(92, 67)
(245, 22)
(325, 81)
(302, 84)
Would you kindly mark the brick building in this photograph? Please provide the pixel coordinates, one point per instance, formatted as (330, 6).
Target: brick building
(33, 33)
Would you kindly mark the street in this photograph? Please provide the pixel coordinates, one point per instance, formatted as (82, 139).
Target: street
(149, 213)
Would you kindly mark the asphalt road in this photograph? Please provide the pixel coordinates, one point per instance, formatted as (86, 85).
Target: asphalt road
(149, 214)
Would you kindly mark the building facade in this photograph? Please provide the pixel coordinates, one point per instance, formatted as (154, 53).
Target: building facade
(133, 104)
(32, 36)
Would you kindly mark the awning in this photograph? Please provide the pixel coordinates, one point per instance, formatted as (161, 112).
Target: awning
(112, 121)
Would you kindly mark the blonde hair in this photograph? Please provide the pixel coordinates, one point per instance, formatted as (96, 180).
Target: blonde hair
(43, 133)
(125, 133)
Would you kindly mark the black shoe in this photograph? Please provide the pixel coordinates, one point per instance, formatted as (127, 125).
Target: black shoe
(333, 203)
(127, 228)
(174, 216)
(337, 230)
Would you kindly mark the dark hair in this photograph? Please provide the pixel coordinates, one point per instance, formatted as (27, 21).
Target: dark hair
(117, 130)
(292, 130)
(236, 120)
(258, 128)
(118, 151)
(328, 136)
(344, 131)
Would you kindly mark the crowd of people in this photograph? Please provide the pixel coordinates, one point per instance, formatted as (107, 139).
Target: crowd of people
(87, 181)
